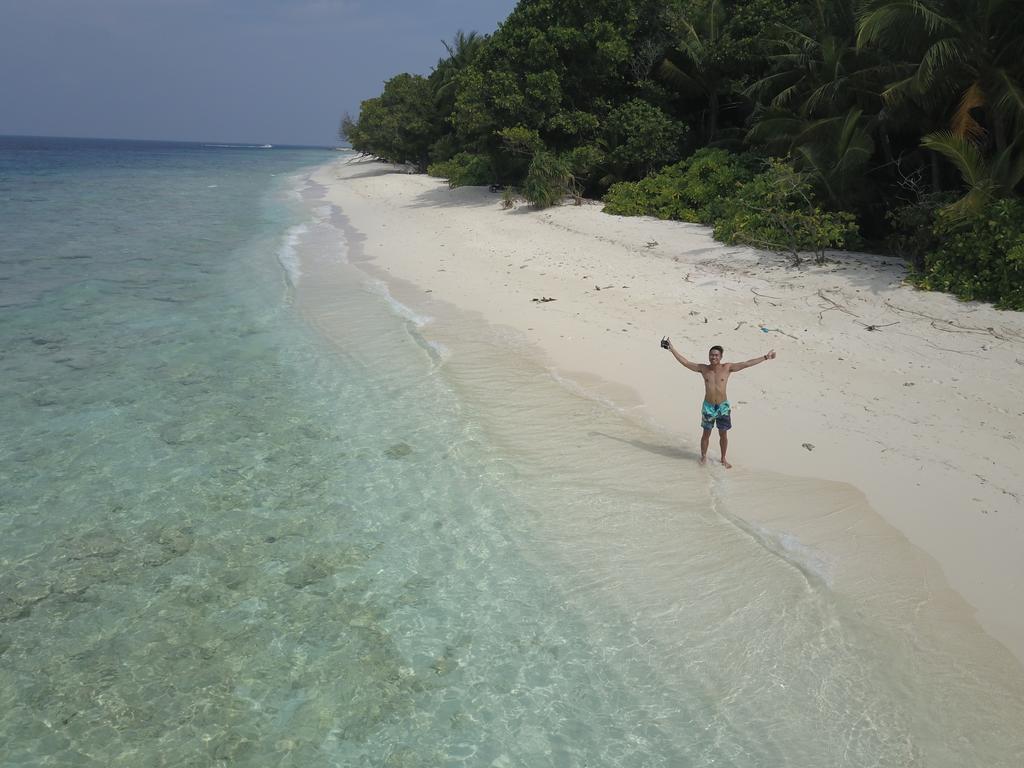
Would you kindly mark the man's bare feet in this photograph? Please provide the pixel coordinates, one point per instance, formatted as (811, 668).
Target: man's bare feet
(726, 464)
(703, 459)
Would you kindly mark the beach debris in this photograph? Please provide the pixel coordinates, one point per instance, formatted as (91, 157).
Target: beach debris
(778, 330)
(398, 450)
(908, 383)
(605, 288)
(741, 323)
(544, 299)
(766, 296)
(808, 446)
(650, 243)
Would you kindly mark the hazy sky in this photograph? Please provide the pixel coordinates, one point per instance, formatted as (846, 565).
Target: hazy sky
(265, 71)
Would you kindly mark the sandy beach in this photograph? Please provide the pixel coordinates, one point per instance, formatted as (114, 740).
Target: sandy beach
(904, 407)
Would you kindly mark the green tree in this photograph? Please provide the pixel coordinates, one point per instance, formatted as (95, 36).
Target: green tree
(400, 125)
(639, 138)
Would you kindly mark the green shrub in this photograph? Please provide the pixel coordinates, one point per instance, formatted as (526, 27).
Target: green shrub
(629, 198)
(548, 180)
(981, 258)
(464, 170)
(777, 210)
(694, 190)
(913, 233)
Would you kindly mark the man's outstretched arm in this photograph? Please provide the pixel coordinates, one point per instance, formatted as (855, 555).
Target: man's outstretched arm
(733, 367)
(695, 367)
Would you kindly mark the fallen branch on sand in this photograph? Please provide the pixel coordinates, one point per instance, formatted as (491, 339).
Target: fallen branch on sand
(544, 299)
(952, 327)
(835, 305)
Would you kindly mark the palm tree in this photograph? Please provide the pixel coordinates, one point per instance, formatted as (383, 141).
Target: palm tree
(821, 73)
(820, 102)
(462, 51)
(697, 73)
(966, 57)
(986, 177)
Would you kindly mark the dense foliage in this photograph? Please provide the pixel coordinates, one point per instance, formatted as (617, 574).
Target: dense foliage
(797, 125)
(981, 257)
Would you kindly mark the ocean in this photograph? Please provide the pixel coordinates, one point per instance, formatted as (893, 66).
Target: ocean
(254, 513)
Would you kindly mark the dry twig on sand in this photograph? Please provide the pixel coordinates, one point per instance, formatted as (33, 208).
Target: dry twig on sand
(835, 305)
(877, 326)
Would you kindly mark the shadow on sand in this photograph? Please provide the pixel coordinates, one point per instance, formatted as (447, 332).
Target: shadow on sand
(669, 451)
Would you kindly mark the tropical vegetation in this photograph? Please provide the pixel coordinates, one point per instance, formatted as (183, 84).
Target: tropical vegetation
(796, 125)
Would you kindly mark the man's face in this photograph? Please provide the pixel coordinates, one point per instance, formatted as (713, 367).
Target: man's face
(715, 356)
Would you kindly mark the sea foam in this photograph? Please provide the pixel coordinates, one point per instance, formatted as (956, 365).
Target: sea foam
(381, 289)
(287, 255)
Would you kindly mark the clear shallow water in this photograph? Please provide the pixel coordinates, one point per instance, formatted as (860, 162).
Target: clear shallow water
(225, 539)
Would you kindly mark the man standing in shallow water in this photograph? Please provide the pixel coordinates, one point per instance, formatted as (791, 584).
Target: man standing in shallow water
(716, 411)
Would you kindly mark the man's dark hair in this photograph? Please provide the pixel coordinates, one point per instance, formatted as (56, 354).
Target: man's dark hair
(720, 350)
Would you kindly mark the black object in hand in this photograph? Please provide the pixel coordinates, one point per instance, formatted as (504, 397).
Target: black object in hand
(664, 342)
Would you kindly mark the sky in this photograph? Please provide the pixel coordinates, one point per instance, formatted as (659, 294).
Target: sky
(259, 71)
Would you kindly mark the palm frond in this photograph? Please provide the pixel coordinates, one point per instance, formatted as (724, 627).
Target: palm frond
(938, 59)
(893, 19)
(963, 123)
(1008, 167)
(973, 202)
(769, 83)
(776, 130)
(680, 79)
(963, 153)
(1010, 100)
(901, 90)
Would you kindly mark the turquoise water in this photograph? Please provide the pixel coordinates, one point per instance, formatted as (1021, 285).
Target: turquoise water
(246, 523)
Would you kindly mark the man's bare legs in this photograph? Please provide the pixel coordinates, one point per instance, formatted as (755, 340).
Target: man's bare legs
(723, 443)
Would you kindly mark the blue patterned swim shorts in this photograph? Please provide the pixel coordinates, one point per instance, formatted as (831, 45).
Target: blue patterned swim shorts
(712, 416)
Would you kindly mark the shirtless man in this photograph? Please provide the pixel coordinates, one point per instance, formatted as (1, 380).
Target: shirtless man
(716, 410)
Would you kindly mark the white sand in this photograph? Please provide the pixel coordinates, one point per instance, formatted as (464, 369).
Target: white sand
(914, 399)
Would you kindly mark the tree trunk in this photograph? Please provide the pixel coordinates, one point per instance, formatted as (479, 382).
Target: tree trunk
(712, 116)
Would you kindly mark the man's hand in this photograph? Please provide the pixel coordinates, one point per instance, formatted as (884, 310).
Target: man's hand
(682, 360)
(770, 355)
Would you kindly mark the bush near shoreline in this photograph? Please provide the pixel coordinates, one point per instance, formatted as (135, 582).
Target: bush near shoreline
(792, 125)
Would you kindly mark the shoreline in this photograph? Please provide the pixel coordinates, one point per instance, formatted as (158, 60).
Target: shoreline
(915, 419)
